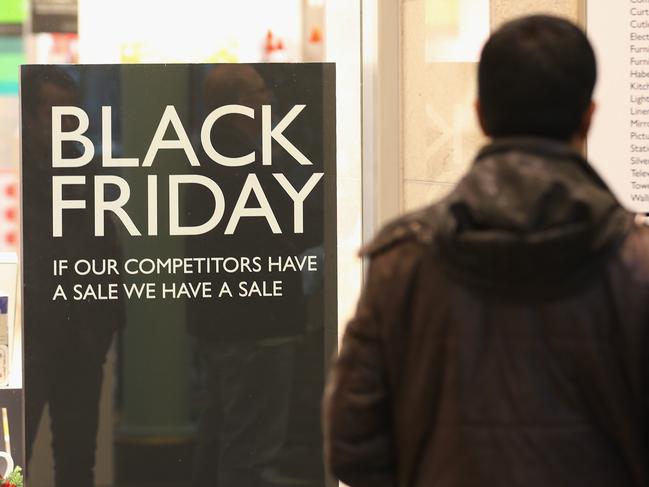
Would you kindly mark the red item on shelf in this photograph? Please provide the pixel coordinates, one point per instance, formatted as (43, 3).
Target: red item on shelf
(316, 36)
(270, 47)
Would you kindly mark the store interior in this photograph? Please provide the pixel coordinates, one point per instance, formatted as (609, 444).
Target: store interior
(193, 31)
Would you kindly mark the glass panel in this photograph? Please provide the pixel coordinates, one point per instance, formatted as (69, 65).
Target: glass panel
(441, 44)
(155, 385)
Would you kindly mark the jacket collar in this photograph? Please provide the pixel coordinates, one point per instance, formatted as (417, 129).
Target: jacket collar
(530, 214)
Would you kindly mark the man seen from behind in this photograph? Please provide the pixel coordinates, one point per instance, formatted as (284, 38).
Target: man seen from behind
(501, 338)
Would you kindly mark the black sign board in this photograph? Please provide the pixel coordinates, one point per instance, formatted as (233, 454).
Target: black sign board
(55, 16)
(190, 212)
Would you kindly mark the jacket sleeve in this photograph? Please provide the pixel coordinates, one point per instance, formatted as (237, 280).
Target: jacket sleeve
(357, 419)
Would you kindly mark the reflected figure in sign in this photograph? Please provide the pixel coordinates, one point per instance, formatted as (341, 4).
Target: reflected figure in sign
(66, 342)
(247, 346)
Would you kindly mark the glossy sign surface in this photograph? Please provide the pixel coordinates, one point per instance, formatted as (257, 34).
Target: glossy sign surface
(179, 229)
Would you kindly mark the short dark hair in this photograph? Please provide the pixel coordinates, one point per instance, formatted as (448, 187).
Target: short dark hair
(536, 78)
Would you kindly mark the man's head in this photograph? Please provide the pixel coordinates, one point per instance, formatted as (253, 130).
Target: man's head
(240, 84)
(536, 78)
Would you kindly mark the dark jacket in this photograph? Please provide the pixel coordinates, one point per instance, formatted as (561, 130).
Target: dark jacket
(501, 338)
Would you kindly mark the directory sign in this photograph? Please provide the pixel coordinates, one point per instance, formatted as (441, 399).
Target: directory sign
(618, 145)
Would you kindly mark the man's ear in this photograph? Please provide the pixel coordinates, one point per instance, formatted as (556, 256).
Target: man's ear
(586, 120)
(478, 112)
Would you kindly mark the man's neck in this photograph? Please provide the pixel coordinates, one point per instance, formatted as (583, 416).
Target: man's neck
(579, 144)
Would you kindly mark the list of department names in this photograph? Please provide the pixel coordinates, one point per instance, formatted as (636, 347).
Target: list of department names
(639, 99)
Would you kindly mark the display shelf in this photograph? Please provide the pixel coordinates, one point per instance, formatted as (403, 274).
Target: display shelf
(9, 288)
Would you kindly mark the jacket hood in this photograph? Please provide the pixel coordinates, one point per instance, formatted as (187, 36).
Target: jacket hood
(530, 216)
